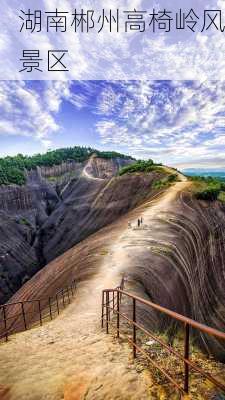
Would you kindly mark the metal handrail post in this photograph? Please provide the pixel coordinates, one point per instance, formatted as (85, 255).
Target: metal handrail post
(50, 307)
(118, 314)
(57, 303)
(24, 317)
(39, 307)
(186, 356)
(134, 330)
(107, 312)
(5, 323)
(103, 307)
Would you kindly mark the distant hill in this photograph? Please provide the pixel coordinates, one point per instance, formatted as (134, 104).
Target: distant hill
(204, 172)
(12, 168)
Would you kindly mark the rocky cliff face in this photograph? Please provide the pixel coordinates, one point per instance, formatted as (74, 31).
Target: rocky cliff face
(102, 168)
(177, 260)
(183, 267)
(23, 210)
(37, 197)
(43, 218)
(88, 205)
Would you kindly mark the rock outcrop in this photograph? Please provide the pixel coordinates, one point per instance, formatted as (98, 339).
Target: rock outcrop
(23, 210)
(180, 264)
(177, 260)
(101, 168)
(54, 198)
(88, 205)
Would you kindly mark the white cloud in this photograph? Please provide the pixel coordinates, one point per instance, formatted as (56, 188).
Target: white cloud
(113, 55)
(178, 120)
(173, 122)
(24, 111)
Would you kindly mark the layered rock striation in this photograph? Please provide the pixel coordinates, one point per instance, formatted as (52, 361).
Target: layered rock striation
(176, 259)
(45, 217)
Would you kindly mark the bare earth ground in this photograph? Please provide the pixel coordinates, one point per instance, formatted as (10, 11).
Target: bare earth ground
(71, 357)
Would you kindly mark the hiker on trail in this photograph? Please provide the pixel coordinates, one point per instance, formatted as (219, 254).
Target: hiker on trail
(139, 222)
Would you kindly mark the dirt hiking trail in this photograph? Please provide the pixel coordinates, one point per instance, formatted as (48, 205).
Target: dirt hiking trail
(71, 358)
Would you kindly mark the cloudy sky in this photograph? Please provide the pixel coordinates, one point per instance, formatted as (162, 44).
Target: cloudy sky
(158, 95)
(178, 54)
(179, 123)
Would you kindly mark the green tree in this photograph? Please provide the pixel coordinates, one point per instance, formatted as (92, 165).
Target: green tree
(12, 168)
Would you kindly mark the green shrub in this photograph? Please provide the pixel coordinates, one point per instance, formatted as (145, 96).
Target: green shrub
(159, 184)
(172, 178)
(210, 194)
(139, 166)
(165, 182)
(221, 197)
(11, 175)
(24, 221)
(209, 188)
(12, 168)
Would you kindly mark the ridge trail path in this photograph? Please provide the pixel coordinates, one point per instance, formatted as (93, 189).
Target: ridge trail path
(71, 358)
(85, 172)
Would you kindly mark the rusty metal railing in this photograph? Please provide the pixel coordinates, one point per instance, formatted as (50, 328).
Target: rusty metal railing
(23, 315)
(111, 302)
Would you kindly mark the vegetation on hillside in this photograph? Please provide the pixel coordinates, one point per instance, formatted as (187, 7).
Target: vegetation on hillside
(140, 166)
(165, 182)
(24, 221)
(209, 188)
(149, 166)
(12, 168)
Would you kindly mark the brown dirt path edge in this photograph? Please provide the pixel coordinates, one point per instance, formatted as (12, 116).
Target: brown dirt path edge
(71, 358)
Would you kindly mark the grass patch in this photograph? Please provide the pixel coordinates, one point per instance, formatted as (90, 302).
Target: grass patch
(52, 179)
(141, 166)
(165, 182)
(104, 252)
(221, 197)
(24, 221)
(209, 189)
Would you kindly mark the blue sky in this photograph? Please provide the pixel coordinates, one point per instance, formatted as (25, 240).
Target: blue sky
(180, 123)
(124, 102)
(179, 54)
